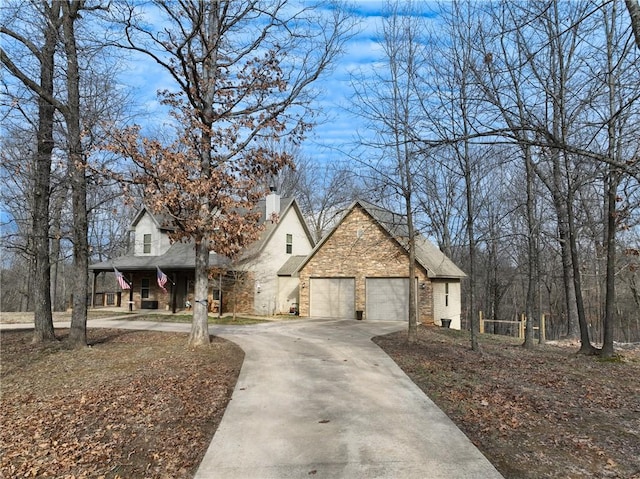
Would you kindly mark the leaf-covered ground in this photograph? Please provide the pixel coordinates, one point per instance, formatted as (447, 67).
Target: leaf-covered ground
(546, 413)
(140, 405)
(133, 405)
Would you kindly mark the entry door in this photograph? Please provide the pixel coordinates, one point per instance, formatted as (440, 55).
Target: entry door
(333, 297)
(387, 299)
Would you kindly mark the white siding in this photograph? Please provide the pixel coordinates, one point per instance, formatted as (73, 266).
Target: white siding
(159, 241)
(288, 293)
(443, 308)
(268, 300)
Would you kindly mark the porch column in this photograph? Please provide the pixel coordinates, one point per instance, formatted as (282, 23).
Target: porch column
(93, 289)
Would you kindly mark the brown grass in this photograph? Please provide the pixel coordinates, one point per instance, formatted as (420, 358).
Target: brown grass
(133, 405)
(140, 405)
(546, 413)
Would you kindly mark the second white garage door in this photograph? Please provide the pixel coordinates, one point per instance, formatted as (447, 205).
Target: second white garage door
(333, 297)
(387, 299)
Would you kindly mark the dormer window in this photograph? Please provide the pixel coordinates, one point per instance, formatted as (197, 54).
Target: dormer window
(146, 244)
(289, 244)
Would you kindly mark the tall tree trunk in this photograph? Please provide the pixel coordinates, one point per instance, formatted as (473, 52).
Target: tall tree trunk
(43, 318)
(610, 232)
(468, 185)
(585, 343)
(200, 322)
(78, 332)
(199, 325)
(573, 326)
(464, 65)
(634, 15)
(413, 316)
(57, 300)
(612, 180)
(532, 251)
(473, 319)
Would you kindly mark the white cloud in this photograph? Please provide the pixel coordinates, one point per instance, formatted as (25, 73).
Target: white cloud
(362, 53)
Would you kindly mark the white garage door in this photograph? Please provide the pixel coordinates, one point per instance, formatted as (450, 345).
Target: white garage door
(388, 299)
(333, 297)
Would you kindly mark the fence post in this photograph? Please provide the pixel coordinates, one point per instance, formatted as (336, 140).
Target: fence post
(521, 329)
(481, 322)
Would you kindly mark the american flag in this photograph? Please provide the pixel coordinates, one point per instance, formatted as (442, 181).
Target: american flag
(162, 279)
(121, 281)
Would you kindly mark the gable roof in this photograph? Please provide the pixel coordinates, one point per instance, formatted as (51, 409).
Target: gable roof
(162, 221)
(286, 204)
(181, 255)
(434, 261)
(427, 254)
(291, 266)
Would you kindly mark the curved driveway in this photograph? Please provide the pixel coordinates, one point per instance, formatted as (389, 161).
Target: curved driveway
(317, 398)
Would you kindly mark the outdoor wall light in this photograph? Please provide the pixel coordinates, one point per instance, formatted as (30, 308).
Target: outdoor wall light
(423, 285)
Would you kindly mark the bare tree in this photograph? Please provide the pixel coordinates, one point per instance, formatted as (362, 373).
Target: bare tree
(43, 86)
(449, 105)
(388, 103)
(243, 72)
(441, 202)
(16, 174)
(323, 191)
(621, 90)
(522, 51)
(61, 19)
(634, 15)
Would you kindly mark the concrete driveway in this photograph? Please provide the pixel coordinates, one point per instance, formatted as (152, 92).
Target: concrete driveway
(317, 398)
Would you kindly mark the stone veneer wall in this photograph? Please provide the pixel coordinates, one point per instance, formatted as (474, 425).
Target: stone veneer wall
(360, 248)
(155, 293)
(243, 291)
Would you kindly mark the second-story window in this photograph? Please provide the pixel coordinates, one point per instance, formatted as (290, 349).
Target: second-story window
(289, 244)
(446, 294)
(146, 244)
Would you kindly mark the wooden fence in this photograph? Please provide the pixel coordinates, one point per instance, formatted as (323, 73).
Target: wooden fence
(520, 325)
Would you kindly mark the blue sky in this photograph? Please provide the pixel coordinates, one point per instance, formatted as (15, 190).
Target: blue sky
(361, 53)
(338, 127)
(142, 78)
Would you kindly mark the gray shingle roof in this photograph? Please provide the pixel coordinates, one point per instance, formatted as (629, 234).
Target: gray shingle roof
(270, 227)
(163, 221)
(291, 266)
(434, 261)
(178, 256)
(182, 255)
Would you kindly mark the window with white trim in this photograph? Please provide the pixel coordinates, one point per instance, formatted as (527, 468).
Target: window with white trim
(289, 244)
(146, 244)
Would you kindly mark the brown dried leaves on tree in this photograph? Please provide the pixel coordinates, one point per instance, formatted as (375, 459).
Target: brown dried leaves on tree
(242, 75)
(211, 202)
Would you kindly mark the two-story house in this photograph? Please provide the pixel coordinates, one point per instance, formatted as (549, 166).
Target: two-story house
(358, 270)
(260, 282)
